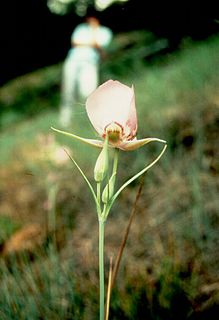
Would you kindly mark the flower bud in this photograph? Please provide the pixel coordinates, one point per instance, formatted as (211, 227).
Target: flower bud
(102, 163)
(109, 189)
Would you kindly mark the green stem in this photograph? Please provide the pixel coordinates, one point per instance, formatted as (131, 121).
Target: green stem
(99, 193)
(115, 162)
(112, 180)
(101, 267)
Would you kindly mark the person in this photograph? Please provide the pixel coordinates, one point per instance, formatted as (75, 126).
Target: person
(80, 74)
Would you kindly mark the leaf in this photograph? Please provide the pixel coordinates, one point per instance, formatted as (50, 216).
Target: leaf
(134, 177)
(86, 179)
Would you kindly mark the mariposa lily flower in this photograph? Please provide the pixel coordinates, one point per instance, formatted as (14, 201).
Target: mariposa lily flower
(112, 112)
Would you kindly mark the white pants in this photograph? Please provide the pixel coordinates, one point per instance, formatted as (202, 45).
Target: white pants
(79, 79)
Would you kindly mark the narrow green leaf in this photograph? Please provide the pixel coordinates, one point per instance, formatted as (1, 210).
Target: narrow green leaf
(85, 178)
(135, 177)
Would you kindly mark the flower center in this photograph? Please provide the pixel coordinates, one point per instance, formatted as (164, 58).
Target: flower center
(114, 132)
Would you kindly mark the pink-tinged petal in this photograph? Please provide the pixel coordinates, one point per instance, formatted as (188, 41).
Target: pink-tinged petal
(131, 126)
(92, 142)
(112, 102)
(135, 144)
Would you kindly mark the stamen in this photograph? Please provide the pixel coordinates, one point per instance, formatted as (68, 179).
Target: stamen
(114, 132)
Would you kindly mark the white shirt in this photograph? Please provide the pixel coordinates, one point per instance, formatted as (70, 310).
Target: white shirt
(86, 36)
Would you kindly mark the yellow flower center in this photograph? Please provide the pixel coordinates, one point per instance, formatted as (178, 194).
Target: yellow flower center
(114, 132)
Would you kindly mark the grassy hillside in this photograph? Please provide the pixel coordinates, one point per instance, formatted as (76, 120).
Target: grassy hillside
(49, 229)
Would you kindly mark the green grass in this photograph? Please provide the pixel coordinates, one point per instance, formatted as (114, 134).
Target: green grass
(170, 265)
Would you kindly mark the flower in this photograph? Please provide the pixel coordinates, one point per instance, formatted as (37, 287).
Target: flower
(112, 112)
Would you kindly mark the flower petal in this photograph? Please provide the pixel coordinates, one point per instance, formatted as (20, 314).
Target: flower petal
(92, 142)
(135, 144)
(112, 102)
(131, 125)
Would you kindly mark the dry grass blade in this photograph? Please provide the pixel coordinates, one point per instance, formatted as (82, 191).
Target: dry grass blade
(124, 240)
(109, 288)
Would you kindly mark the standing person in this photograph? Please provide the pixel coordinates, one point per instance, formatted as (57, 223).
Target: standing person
(81, 67)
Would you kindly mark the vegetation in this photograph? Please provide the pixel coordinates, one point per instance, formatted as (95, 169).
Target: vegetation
(49, 236)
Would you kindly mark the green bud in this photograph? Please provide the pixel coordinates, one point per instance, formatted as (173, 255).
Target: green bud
(109, 189)
(102, 163)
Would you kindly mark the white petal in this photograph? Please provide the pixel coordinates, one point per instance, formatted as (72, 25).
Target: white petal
(110, 102)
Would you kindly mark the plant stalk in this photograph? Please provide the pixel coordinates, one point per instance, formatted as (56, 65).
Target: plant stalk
(115, 162)
(101, 267)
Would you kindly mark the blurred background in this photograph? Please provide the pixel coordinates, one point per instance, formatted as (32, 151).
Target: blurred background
(48, 225)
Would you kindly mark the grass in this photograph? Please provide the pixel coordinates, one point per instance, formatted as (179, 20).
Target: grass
(169, 269)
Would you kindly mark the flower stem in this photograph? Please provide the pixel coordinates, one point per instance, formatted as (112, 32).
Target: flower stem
(101, 267)
(98, 192)
(115, 162)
